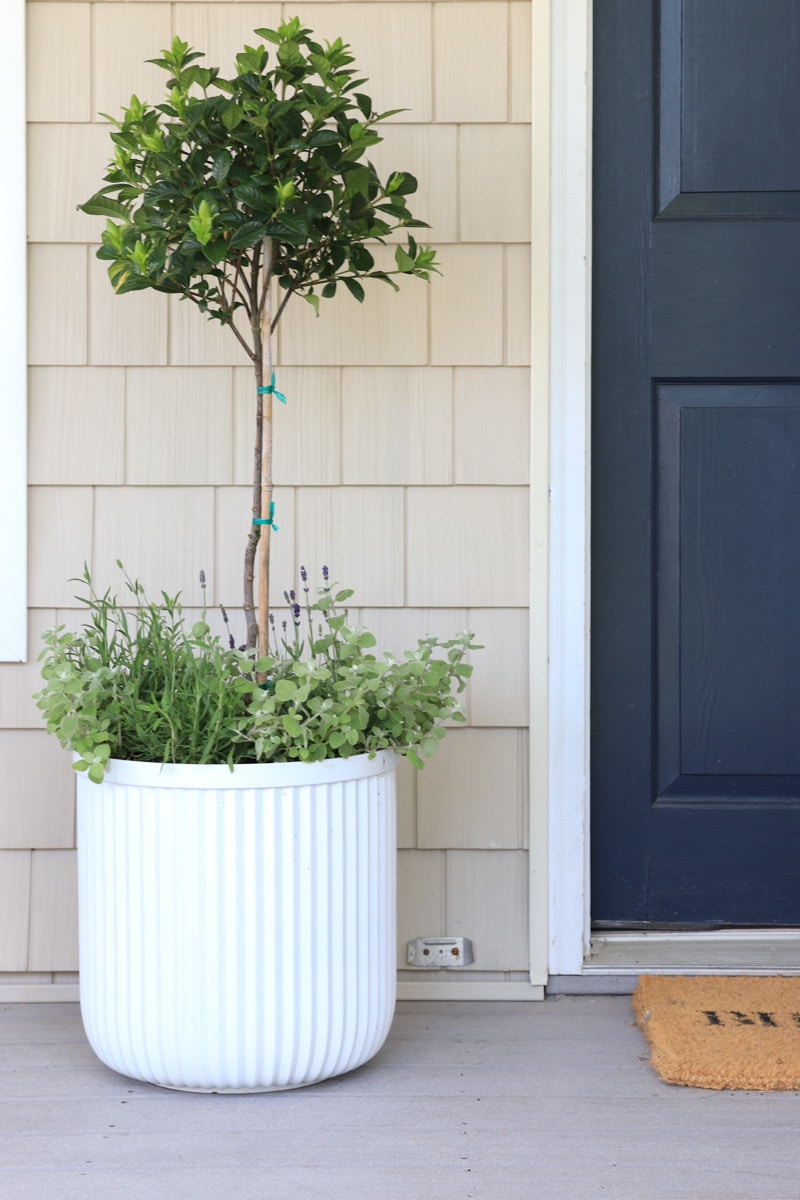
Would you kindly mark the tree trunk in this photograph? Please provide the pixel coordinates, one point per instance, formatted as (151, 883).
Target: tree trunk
(266, 501)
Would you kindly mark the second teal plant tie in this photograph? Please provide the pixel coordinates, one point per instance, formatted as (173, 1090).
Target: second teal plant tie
(270, 390)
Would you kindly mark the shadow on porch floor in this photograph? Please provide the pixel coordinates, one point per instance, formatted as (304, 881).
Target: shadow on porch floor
(496, 1101)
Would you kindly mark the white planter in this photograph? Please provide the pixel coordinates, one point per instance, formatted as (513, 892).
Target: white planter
(237, 931)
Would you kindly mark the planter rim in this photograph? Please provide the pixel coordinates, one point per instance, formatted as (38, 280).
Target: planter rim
(249, 775)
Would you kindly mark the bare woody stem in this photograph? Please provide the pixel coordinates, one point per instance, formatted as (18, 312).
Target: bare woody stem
(265, 489)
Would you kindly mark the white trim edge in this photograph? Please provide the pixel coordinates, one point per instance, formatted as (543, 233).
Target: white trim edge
(570, 277)
(39, 993)
(428, 990)
(13, 348)
(61, 993)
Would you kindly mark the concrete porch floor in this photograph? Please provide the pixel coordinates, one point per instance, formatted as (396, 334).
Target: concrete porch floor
(496, 1101)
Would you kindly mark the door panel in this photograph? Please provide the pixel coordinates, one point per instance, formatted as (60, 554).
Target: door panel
(696, 463)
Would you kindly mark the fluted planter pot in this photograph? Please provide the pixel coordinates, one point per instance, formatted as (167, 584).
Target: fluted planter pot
(237, 931)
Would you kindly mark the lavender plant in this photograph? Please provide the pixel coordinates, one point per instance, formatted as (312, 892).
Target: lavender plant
(141, 683)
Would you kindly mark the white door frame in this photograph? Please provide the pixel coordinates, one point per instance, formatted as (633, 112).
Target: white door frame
(560, 489)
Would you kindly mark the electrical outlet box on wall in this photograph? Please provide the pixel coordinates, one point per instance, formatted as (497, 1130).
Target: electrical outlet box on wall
(440, 952)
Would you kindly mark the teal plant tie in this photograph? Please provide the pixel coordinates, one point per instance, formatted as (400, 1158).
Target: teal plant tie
(271, 390)
(270, 520)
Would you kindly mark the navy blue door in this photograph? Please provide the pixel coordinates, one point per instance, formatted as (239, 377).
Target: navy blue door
(696, 463)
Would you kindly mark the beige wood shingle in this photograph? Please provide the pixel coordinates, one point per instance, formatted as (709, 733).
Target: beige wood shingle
(420, 897)
(59, 543)
(468, 545)
(520, 48)
(37, 797)
(494, 183)
(429, 153)
(179, 427)
(195, 340)
(467, 307)
(66, 164)
(358, 534)
(487, 894)
(397, 425)
(54, 911)
(124, 37)
(518, 305)
(59, 62)
(499, 686)
(72, 407)
(18, 681)
(163, 536)
(470, 794)
(220, 30)
(491, 425)
(57, 290)
(392, 48)
(389, 328)
(470, 61)
(15, 889)
(406, 805)
(128, 330)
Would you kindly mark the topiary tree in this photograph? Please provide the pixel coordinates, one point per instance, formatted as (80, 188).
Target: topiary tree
(233, 186)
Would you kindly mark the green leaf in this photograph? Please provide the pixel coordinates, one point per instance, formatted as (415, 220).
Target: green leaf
(252, 195)
(201, 222)
(325, 137)
(247, 235)
(285, 690)
(292, 726)
(354, 288)
(104, 206)
(402, 183)
(404, 262)
(232, 116)
(221, 165)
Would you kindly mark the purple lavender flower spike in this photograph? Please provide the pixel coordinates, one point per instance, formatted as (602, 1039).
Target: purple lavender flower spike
(304, 574)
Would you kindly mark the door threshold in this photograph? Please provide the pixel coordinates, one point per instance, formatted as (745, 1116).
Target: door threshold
(705, 952)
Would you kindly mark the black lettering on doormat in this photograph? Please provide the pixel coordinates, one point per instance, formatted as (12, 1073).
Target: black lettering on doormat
(765, 1020)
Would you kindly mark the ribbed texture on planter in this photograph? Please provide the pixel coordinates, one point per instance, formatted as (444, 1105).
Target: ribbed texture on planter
(237, 932)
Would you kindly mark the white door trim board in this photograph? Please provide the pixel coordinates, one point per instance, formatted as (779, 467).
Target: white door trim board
(13, 347)
(563, 374)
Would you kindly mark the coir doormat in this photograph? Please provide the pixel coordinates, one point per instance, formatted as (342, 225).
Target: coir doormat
(722, 1032)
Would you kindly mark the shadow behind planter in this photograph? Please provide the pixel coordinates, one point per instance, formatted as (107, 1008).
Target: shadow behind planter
(237, 931)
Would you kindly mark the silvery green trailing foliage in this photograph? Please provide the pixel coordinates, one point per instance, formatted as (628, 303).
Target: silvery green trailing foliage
(140, 684)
